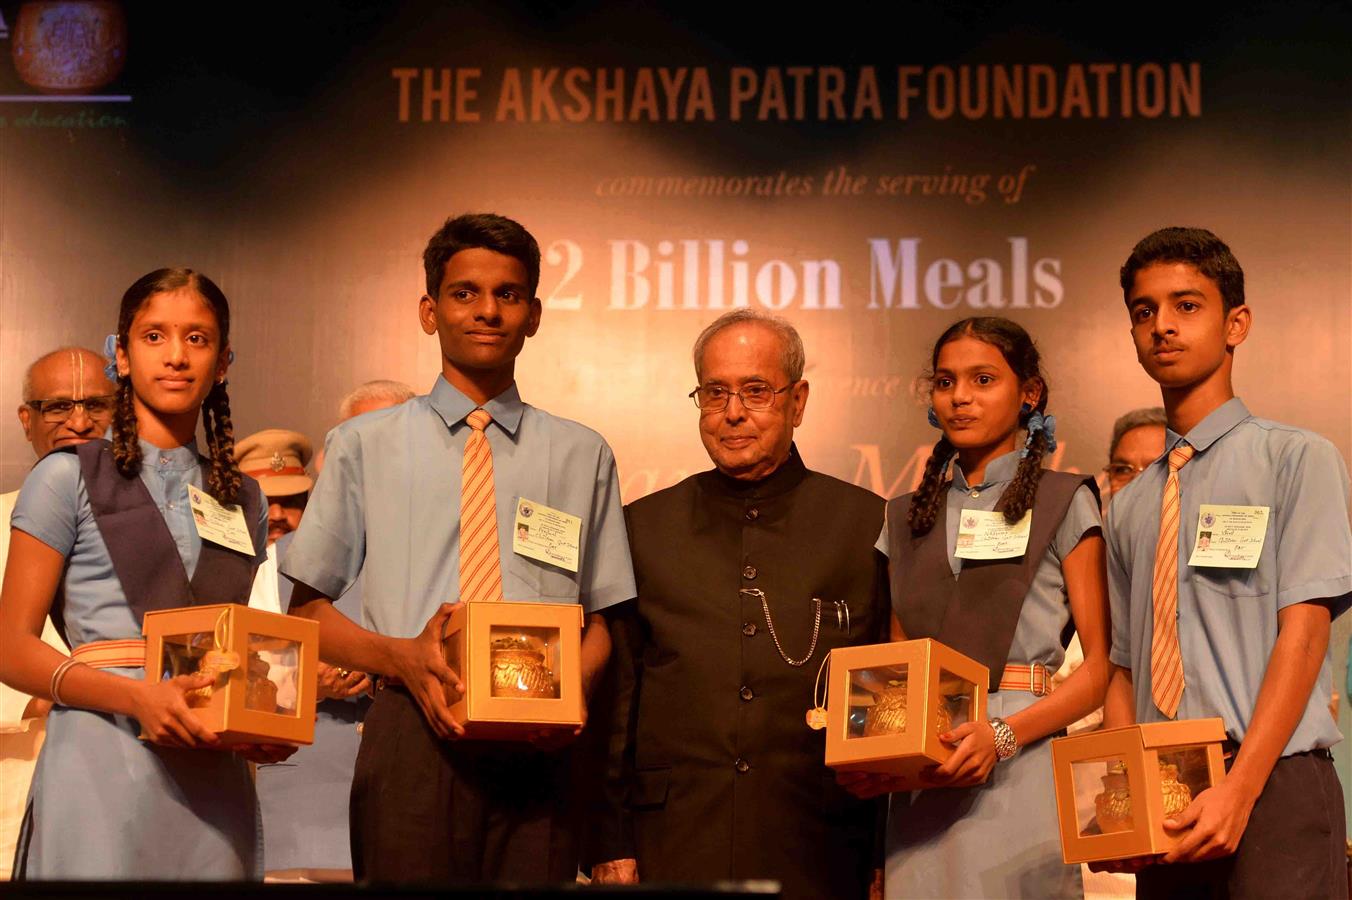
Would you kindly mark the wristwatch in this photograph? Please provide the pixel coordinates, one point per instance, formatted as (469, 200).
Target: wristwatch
(1005, 743)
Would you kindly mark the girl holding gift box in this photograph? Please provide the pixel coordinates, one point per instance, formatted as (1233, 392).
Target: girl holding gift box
(101, 536)
(994, 562)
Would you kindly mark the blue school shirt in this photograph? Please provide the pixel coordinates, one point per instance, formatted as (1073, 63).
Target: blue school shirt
(1227, 618)
(387, 507)
(54, 507)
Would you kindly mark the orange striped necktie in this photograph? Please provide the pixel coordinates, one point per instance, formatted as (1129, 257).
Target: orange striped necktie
(480, 565)
(1166, 662)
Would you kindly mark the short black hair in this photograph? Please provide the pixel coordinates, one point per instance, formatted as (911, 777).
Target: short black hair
(480, 230)
(1198, 248)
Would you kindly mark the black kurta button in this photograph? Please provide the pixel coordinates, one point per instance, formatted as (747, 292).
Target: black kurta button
(746, 693)
(742, 765)
(752, 514)
(749, 573)
(748, 629)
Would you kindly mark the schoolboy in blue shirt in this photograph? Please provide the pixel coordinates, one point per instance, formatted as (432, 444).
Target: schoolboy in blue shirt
(1246, 640)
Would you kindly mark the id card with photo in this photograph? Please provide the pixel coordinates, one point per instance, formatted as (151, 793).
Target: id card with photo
(549, 535)
(1229, 537)
(984, 534)
(219, 524)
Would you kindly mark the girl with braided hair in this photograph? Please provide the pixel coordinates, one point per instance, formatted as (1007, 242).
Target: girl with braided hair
(100, 536)
(989, 826)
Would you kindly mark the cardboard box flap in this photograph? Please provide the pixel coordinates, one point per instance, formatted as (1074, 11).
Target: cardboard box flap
(1188, 731)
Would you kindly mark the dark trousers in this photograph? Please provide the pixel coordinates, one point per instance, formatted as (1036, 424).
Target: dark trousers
(1294, 846)
(427, 810)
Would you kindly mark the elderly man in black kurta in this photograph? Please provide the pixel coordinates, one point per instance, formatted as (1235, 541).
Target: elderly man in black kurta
(747, 576)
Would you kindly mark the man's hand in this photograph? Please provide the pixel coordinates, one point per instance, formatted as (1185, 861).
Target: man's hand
(339, 684)
(867, 785)
(420, 664)
(971, 762)
(1217, 817)
(617, 871)
(162, 709)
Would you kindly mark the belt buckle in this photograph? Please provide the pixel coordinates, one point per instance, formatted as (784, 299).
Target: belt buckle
(1035, 669)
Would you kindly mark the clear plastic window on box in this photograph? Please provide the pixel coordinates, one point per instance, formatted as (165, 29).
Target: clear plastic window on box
(524, 661)
(1103, 801)
(957, 698)
(188, 654)
(1184, 774)
(273, 666)
(877, 701)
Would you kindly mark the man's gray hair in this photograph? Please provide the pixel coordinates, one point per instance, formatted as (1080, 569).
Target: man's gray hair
(793, 356)
(1149, 415)
(395, 392)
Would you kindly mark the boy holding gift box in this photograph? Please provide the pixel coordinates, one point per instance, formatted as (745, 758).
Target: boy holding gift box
(419, 500)
(1237, 628)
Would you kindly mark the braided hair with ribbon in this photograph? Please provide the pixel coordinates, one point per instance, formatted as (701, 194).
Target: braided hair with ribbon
(223, 479)
(1022, 356)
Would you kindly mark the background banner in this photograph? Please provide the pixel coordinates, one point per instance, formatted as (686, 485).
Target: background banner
(870, 175)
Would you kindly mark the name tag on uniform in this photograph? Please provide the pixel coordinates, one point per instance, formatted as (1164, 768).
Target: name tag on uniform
(1229, 537)
(984, 534)
(219, 524)
(549, 535)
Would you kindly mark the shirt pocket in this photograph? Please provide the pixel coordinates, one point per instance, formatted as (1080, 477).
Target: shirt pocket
(1233, 583)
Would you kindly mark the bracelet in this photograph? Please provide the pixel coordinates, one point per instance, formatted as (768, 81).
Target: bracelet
(59, 675)
(1006, 745)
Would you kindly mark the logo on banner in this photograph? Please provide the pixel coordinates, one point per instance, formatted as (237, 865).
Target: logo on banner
(67, 52)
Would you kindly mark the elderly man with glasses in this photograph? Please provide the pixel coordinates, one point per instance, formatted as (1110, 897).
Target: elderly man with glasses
(748, 575)
(67, 400)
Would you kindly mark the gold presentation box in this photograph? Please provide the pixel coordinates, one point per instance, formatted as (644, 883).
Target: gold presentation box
(521, 666)
(1115, 788)
(266, 666)
(888, 703)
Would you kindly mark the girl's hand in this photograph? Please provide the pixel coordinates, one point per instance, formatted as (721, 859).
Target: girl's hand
(867, 785)
(972, 761)
(162, 709)
(264, 754)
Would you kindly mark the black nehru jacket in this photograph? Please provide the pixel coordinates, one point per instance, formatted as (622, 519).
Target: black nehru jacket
(713, 772)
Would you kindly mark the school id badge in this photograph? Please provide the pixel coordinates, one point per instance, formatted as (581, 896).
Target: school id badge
(547, 534)
(1229, 537)
(218, 523)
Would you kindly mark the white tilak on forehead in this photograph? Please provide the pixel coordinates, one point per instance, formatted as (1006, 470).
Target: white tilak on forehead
(77, 369)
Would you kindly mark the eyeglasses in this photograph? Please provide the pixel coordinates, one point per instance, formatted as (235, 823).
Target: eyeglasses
(756, 395)
(1123, 471)
(54, 412)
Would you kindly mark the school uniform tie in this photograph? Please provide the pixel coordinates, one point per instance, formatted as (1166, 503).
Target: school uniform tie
(480, 565)
(1166, 662)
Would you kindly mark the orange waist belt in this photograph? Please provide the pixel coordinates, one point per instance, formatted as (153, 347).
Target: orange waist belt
(1032, 677)
(112, 654)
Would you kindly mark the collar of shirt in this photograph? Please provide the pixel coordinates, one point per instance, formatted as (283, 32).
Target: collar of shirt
(453, 406)
(171, 459)
(1218, 423)
(788, 476)
(1002, 468)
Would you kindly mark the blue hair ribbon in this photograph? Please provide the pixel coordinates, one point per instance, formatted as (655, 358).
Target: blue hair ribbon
(1037, 422)
(110, 354)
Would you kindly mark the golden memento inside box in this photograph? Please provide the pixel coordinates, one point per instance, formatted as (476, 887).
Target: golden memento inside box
(887, 704)
(266, 666)
(1115, 788)
(521, 665)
